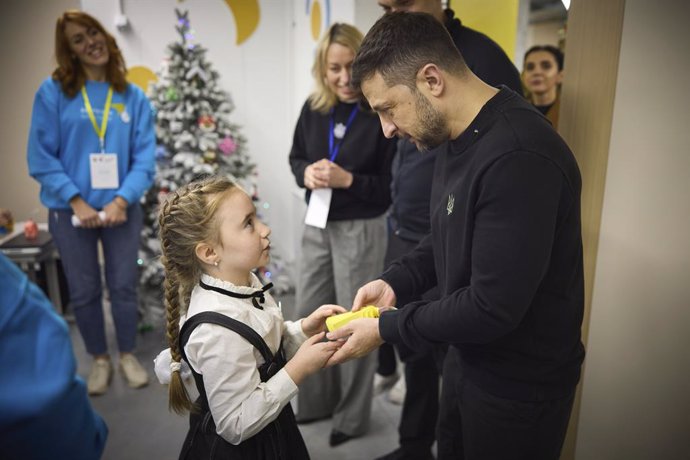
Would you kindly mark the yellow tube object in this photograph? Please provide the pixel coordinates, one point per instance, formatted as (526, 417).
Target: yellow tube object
(336, 321)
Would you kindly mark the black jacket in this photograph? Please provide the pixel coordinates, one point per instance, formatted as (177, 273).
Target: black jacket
(506, 251)
(412, 170)
(365, 152)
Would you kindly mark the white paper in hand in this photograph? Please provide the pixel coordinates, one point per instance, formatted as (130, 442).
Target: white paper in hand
(319, 205)
(77, 223)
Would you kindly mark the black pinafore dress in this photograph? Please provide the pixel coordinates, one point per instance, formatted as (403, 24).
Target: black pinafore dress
(279, 440)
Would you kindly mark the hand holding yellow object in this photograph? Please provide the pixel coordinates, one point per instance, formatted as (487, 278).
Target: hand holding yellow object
(336, 321)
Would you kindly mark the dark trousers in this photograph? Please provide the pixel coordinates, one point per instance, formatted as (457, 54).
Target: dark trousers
(417, 429)
(78, 248)
(476, 425)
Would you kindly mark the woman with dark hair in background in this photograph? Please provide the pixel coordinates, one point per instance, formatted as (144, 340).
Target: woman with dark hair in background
(91, 148)
(542, 75)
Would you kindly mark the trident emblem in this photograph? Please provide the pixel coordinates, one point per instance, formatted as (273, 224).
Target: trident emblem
(451, 203)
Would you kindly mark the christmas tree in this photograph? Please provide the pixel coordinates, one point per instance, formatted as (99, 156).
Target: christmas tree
(194, 138)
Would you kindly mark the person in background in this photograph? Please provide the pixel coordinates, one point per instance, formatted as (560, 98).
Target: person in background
(408, 224)
(212, 240)
(338, 146)
(45, 412)
(91, 148)
(505, 248)
(542, 75)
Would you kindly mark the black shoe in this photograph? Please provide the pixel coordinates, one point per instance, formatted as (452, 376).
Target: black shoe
(338, 437)
(402, 454)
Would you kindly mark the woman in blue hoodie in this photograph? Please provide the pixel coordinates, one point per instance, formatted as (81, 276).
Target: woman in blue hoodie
(91, 148)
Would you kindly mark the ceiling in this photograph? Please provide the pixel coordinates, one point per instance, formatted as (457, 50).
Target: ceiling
(546, 10)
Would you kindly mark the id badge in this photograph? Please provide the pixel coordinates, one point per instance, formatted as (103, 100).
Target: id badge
(319, 205)
(104, 171)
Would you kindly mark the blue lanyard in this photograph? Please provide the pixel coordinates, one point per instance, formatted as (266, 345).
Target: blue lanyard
(334, 149)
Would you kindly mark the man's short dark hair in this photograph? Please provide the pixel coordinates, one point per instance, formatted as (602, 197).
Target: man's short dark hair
(400, 44)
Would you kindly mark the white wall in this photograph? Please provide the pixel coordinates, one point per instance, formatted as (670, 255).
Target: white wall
(636, 388)
(544, 33)
(27, 35)
(268, 77)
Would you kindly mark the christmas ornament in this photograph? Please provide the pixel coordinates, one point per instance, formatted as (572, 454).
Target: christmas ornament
(227, 146)
(210, 156)
(171, 94)
(207, 124)
(161, 152)
(162, 194)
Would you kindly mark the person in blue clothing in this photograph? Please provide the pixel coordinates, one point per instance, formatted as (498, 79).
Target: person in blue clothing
(44, 410)
(91, 148)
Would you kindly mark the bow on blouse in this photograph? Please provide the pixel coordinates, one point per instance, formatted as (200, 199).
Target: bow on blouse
(260, 294)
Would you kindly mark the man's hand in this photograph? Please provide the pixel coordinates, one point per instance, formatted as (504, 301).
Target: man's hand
(361, 337)
(377, 292)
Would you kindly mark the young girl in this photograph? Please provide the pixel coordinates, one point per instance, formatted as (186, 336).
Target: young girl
(211, 240)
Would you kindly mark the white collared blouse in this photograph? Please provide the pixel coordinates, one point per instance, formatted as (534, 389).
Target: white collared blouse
(241, 405)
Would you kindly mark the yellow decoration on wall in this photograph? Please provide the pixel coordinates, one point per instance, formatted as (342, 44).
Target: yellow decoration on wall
(497, 19)
(247, 15)
(315, 20)
(141, 76)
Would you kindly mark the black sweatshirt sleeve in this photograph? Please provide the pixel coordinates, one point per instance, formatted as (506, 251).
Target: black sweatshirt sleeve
(376, 187)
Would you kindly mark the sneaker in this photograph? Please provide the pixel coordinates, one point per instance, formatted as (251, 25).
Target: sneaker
(99, 377)
(396, 395)
(133, 372)
(384, 382)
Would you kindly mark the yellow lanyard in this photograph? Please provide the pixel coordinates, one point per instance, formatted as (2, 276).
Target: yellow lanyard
(106, 111)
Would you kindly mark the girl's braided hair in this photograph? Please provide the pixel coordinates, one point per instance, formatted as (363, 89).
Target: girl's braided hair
(186, 218)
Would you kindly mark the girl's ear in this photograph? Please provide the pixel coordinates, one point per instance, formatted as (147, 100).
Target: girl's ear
(205, 253)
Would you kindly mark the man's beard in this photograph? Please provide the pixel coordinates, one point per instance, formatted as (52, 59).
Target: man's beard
(432, 126)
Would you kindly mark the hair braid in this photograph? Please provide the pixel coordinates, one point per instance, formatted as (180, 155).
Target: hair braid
(186, 218)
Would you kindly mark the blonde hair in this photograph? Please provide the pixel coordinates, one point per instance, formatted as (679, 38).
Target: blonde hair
(186, 218)
(323, 98)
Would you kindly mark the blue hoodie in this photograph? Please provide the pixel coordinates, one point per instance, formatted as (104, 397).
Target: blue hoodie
(45, 412)
(62, 137)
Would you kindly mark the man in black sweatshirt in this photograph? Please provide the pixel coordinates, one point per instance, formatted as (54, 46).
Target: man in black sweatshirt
(505, 248)
(408, 224)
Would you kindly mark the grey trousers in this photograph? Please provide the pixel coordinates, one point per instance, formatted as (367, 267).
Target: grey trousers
(334, 263)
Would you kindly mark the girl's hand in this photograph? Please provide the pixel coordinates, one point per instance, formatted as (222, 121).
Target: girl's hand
(311, 357)
(316, 322)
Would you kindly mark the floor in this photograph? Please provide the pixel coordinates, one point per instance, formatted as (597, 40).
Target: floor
(141, 427)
